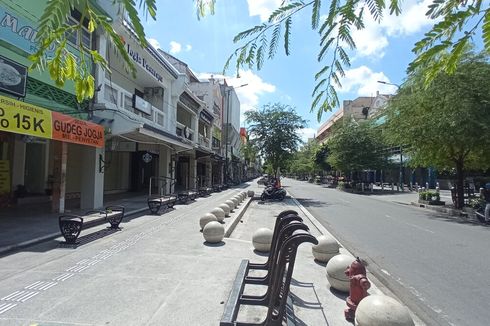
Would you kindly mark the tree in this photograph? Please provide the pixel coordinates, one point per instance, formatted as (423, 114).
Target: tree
(458, 23)
(445, 126)
(355, 147)
(303, 162)
(321, 156)
(273, 129)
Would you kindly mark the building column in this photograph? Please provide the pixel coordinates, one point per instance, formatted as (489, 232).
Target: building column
(193, 173)
(209, 173)
(92, 192)
(60, 157)
(18, 163)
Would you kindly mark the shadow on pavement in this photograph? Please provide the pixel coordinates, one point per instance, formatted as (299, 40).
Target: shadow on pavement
(307, 202)
(339, 294)
(299, 302)
(219, 244)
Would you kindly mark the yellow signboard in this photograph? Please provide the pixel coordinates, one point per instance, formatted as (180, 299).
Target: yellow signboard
(4, 176)
(24, 118)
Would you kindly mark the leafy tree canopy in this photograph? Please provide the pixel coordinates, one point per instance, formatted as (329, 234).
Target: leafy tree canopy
(456, 23)
(449, 121)
(274, 131)
(356, 147)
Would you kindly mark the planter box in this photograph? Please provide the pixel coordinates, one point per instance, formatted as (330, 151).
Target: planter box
(432, 202)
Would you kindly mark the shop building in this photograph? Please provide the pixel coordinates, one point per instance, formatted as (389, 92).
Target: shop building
(49, 152)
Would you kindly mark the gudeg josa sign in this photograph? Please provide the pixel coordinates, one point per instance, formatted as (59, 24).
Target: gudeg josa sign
(28, 119)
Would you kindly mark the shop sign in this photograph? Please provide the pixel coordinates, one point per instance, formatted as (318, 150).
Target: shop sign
(27, 119)
(147, 158)
(143, 62)
(13, 77)
(19, 31)
(4, 176)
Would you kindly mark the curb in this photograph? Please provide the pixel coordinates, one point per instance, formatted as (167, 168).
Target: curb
(6, 249)
(231, 227)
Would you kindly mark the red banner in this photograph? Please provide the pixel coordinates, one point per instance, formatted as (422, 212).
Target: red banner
(68, 129)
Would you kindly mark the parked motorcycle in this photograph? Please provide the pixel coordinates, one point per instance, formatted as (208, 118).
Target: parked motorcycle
(276, 193)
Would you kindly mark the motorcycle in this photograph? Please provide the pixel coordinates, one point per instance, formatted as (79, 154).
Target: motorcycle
(277, 193)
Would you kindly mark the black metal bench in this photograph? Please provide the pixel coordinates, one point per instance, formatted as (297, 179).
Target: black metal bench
(186, 195)
(71, 225)
(205, 191)
(277, 293)
(155, 203)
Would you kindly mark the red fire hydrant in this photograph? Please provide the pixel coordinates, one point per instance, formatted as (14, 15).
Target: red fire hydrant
(359, 284)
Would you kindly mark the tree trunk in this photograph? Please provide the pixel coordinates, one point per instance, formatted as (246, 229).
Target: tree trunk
(460, 183)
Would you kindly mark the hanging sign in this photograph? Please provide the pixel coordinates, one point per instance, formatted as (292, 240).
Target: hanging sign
(28, 119)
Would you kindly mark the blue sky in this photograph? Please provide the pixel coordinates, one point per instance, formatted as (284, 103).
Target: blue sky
(383, 51)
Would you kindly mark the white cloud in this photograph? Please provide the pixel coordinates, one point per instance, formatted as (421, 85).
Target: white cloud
(373, 39)
(175, 47)
(188, 47)
(307, 133)
(154, 43)
(248, 95)
(262, 8)
(365, 81)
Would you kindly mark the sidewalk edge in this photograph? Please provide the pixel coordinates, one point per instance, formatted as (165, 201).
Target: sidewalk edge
(54, 235)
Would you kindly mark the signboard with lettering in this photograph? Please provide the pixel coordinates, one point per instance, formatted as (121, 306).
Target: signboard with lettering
(28, 119)
(4, 176)
(13, 77)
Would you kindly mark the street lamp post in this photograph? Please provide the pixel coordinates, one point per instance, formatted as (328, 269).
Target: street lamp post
(401, 176)
(227, 91)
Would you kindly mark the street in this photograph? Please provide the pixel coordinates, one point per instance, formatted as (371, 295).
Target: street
(435, 264)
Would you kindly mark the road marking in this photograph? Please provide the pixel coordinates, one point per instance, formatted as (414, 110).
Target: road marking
(20, 296)
(40, 285)
(385, 272)
(63, 277)
(413, 225)
(6, 306)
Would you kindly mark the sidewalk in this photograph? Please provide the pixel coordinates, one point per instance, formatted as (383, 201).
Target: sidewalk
(185, 281)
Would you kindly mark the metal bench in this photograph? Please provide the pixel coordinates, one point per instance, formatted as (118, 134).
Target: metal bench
(71, 225)
(160, 198)
(277, 293)
(186, 195)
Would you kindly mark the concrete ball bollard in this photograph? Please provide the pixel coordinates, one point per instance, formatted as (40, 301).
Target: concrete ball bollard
(219, 213)
(230, 204)
(262, 239)
(244, 195)
(326, 248)
(336, 267)
(382, 310)
(250, 193)
(206, 218)
(239, 198)
(235, 201)
(213, 232)
(226, 209)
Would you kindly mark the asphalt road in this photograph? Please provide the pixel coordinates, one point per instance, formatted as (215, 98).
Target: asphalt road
(437, 265)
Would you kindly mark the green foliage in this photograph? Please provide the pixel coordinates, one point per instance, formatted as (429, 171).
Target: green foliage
(356, 147)
(274, 131)
(429, 195)
(440, 50)
(444, 125)
(304, 161)
(65, 65)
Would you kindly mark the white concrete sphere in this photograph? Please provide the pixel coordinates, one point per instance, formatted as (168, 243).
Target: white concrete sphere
(230, 204)
(226, 209)
(336, 267)
(382, 310)
(213, 232)
(219, 213)
(326, 248)
(244, 195)
(239, 198)
(250, 193)
(235, 201)
(262, 239)
(206, 218)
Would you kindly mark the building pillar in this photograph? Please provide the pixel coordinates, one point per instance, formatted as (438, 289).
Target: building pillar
(92, 192)
(193, 173)
(60, 157)
(18, 163)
